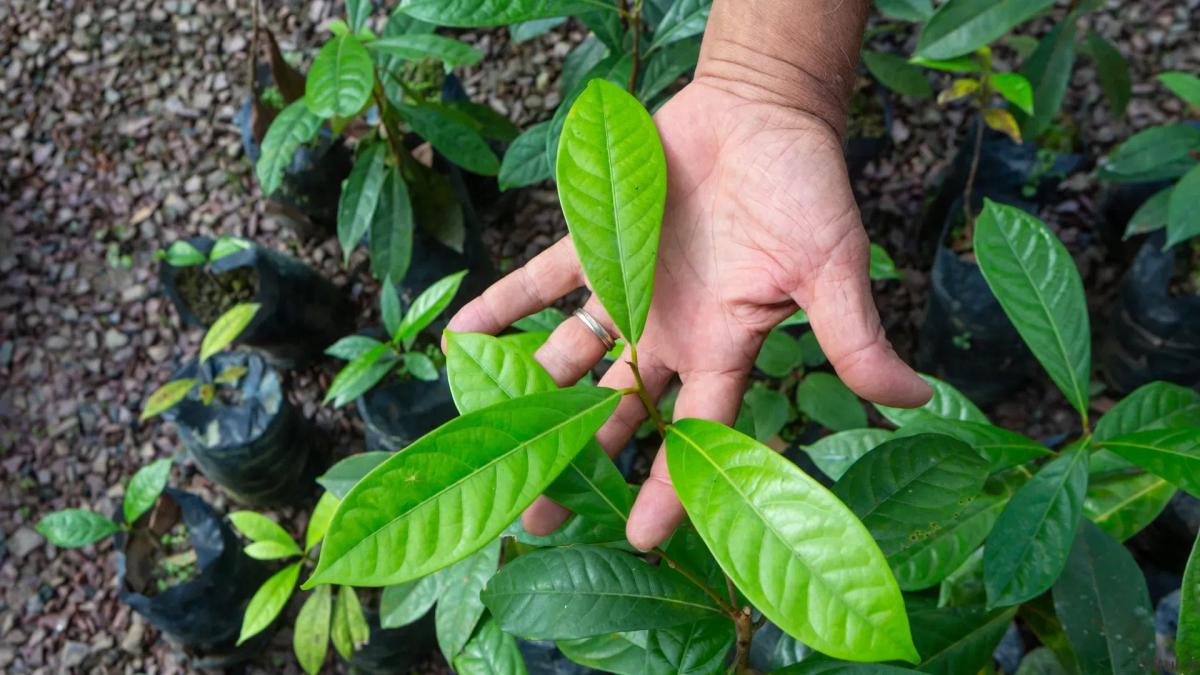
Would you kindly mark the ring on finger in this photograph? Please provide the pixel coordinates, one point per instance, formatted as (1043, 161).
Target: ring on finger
(594, 326)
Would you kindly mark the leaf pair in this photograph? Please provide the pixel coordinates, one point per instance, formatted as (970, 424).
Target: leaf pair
(73, 528)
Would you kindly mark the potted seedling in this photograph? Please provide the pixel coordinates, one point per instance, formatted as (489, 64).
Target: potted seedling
(1155, 328)
(398, 383)
(178, 564)
(329, 613)
(237, 423)
(299, 312)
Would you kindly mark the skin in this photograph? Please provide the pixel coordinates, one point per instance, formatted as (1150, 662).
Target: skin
(760, 219)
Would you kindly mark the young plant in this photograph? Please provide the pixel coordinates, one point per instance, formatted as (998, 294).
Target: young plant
(220, 335)
(371, 360)
(73, 528)
(181, 253)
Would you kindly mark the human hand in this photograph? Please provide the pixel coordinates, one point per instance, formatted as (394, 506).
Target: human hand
(759, 218)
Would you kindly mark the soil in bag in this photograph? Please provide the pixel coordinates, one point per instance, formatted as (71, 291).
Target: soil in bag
(398, 412)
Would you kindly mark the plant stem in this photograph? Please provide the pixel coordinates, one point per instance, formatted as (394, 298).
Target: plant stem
(968, 213)
(691, 576)
(644, 395)
(635, 24)
(745, 635)
(387, 117)
(729, 589)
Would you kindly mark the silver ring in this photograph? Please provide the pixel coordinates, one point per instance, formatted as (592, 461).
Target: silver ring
(594, 326)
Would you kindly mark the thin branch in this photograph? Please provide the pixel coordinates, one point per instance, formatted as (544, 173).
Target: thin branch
(644, 395)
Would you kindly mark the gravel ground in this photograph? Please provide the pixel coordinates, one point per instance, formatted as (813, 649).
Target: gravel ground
(117, 135)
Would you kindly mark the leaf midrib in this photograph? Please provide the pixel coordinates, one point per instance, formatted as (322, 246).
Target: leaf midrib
(603, 594)
(1126, 501)
(610, 164)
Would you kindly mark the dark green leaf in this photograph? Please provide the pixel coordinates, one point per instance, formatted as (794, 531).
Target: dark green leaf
(961, 26)
(1184, 85)
(766, 411)
(475, 13)
(1112, 70)
(1002, 448)
(958, 640)
(360, 375)
(1173, 454)
(917, 11)
(1148, 407)
(72, 528)
(490, 652)
(897, 74)
(392, 229)
(1183, 208)
(459, 142)
(428, 305)
(1151, 215)
(1187, 639)
(779, 355)
(525, 161)
(825, 400)
(810, 350)
(459, 605)
(697, 648)
(389, 306)
(360, 195)
(416, 47)
(357, 13)
(404, 603)
(1157, 153)
(144, 488)
(342, 476)
(947, 403)
(684, 18)
(1049, 72)
(351, 347)
(582, 60)
(621, 653)
(341, 78)
(294, 126)
(667, 65)
(835, 453)
(490, 122)
(527, 30)
(1123, 504)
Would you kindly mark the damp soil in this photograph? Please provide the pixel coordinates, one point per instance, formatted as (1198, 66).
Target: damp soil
(160, 553)
(210, 295)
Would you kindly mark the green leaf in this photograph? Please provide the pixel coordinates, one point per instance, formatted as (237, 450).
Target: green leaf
(582, 60)
(340, 80)
(487, 119)
(835, 453)
(810, 350)
(310, 639)
(545, 320)
(72, 528)
(527, 30)
(947, 403)
(621, 653)
(181, 253)
(1032, 275)
(404, 603)
(144, 488)
(318, 522)
(416, 47)
(392, 229)
(909, 489)
(1112, 71)
(389, 306)
(917, 11)
(1122, 505)
(459, 606)
(764, 413)
(825, 400)
(421, 367)
(476, 13)
(1184, 85)
(897, 74)
(525, 161)
(224, 246)
(1149, 406)
(357, 13)
(1028, 547)
(770, 527)
(960, 64)
(684, 18)
(268, 601)
(1002, 448)
(360, 195)
(1183, 208)
(1015, 89)
(612, 184)
(961, 26)
(227, 328)
(1151, 215)
(956, 640)
(1187, 638)
(581, 591)
(490, 652)
(345, 474)
(459, 142)
(697, 648)
(1038, 615)
(665, 66)
(882, 266)
(608, 27)
(1048, 70)
(351, 347)
(1173, 454)
(294, 126)
(1102, 602)
(386, 529)
(428, 305)
(270, 550)
(350, 629)
(359, 375)
(779, 355)
(964, 587)
(1157, 153)
(166, 396)
(615, 68)
(259, 528)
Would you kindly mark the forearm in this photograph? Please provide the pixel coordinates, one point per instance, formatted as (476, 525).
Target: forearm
(798, 53)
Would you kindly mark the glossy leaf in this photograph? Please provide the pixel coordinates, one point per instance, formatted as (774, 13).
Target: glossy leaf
(897, 74)
(294, 126)
(1015, 89)
(340, 80)
(345, 474)
(1187, 637)
(795, 551)
(1123, 504)
(1173, 454)
(1151, 215)
(405, 603)
(527, 30)
(613, 67)
(1002, 448)
(697, 648)
(416, 47)
(961, 26)
(825, 400)
(956, 640)
(545, 320)
(166, 396)
(224, 246)
(1184, 85)
(389, 306)
(490, 652)
(1112, 72)
(1004, 122)
(310, 638)
(947, 403)
(779, 355)
(420, 366)
(683, 19)
(351, 347)
(917, 11)
(318, 522)
(144, 488)
(72, 528)
(1032, 275)
(621, 653)
(474, 13)
(259, 529)
(582, 60)
(835, 453)
(359, 375)
(665, 66)
(1158, 153)
(612, 183)
(388, 529)
(1029, 545)
(1048, 70)
(958, 64)
(392, 229)
(882, 266)
(459, 605)
(268, 601)
(525, 162)
(350, 630)
(428, 305)
(359, 197)
(1102, 602)
(581, 591)
(1183, 208)
(489, 121)
(227, 328)
(181, 253)
(459, 142)
(1149, 406)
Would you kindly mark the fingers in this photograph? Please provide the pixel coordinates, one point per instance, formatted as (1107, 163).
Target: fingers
(550, 275)
(843, 316)
(573, 349)
(657, 511)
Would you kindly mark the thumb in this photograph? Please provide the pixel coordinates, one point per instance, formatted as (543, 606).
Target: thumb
(844, 318)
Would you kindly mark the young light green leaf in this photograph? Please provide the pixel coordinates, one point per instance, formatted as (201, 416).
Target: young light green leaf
(956, 640)
(525, 161)
(416, 47)
(959, 64)
(350, 630)
(491, 651)
(224, 246)
(896, 73)
(310, 638)
(779, 355)
(270, 550)
(1123, 504)
(476, 13)
(612, 183)
(259, 528)
(294, 126)
(360, 195)
(545, 320)
(72, 528)
(420, 366)
(1187, 638)
(387, 529)
(167, 396)
(1112, 71)
(1158, 153)
(684, 18)
(769, 526)
(459, 605)
(181, 253)
(1183, 208)
(1032, 275)
(882, 266)
(1173, 454)
(1149, 406)
(342, 476)
(1002, 448)
(318, 522)
(1028, 547)
(268, 601)
(581, 591)
(227, 328)
(1102, 602)
(340, 80)
(449, 135)
(359, 375)
(428, 305)
(392, 229)
(1151, 215)
(917, 11)
(351, 347)
(696, 648)
(1184, 85)
(1048, 70)
(144, 488)
(404, 603)
(825, 400)
(947, 403)
(961, 26)
(835, 453)
(616, 68)
(1015, 89)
